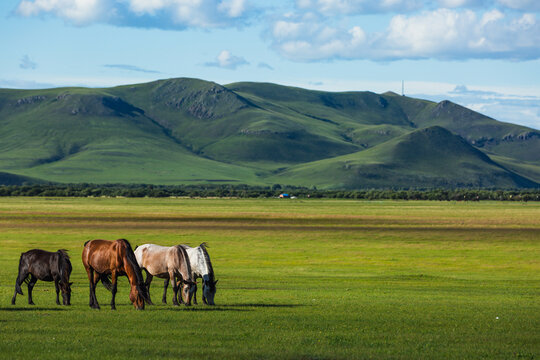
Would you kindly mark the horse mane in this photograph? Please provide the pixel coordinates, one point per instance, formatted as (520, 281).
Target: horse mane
(132, 260)
(87, 242)
(203, 247)
(185, 255)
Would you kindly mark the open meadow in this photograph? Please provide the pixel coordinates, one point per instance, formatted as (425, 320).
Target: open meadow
(298, 279)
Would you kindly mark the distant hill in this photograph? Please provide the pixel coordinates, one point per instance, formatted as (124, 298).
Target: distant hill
(185, 131)
(429, 157)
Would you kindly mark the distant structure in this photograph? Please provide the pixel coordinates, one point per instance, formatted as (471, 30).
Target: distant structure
(402, 87)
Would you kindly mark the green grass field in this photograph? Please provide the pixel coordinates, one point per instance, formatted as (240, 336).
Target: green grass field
(313, 279)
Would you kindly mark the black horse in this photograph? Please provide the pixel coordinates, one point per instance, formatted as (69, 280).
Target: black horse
(46, 266)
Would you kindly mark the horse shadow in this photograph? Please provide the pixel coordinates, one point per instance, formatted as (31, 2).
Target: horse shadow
(33, 308)
(228, 307)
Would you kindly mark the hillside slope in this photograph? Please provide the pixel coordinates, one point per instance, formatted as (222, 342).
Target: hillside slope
(179, 131)
(429, 157)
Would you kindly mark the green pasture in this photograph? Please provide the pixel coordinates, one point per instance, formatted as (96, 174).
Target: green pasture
(298, 279)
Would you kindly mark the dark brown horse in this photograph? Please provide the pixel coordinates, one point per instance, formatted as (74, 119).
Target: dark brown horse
(103, 259)
(46, 266)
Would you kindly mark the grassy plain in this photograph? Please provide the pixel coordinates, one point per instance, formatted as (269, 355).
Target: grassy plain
(298, 279)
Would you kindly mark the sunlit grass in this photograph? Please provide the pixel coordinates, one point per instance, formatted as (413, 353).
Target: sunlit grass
(297, 279)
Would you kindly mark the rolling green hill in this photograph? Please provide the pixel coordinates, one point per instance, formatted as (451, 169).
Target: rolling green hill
(181, 131)
(429, 157)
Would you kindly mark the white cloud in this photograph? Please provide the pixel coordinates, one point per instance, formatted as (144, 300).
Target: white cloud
(440, 34)
(333, 7)
(142, 13)
(27, 63)
(355, 7)
(77, 11)
(233, 8)
(525, 5)
(263, 65)
(147, 6)
(226, 60)
(130, 68)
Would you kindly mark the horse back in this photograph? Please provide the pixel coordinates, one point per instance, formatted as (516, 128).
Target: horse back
(40, 263)
(97, 255)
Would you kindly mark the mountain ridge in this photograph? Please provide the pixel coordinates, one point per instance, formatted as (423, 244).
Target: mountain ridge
(186, 130)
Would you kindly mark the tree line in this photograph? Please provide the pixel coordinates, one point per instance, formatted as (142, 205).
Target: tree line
(247, 191)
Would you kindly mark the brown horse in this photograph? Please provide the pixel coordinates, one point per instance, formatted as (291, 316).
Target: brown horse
(103, 258)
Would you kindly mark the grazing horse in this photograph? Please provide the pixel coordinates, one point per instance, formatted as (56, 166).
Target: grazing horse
(201, 267)
(103, 259)
(170, 263)
(46, 266)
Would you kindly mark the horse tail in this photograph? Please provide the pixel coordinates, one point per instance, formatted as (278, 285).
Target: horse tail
(139, 280)
(19, 276)
(106, 281)
(64, 265)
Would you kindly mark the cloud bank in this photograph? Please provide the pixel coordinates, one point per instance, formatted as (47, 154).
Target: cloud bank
(166, 14)
(323, 30)
(443, 34)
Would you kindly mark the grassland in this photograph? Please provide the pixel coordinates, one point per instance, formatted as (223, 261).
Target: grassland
(314, 279)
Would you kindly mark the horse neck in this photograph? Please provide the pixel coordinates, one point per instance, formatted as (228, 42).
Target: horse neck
(185, 266)
(131, 267)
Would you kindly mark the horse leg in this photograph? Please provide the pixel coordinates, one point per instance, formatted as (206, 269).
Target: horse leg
(95, 281)
(20, 279)
(180, 292)
(165, 285)
(194, 298)
(57, 288)
(175, 288)
(31, 283)
(113, 290)
(93, 278)
(148, 281)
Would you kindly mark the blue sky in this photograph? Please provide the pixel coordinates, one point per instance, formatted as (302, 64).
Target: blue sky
(484, 54)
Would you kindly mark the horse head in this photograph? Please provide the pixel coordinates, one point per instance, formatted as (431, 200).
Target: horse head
(188, 289)
(136, 297)
(66, 292)
(209, 292)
